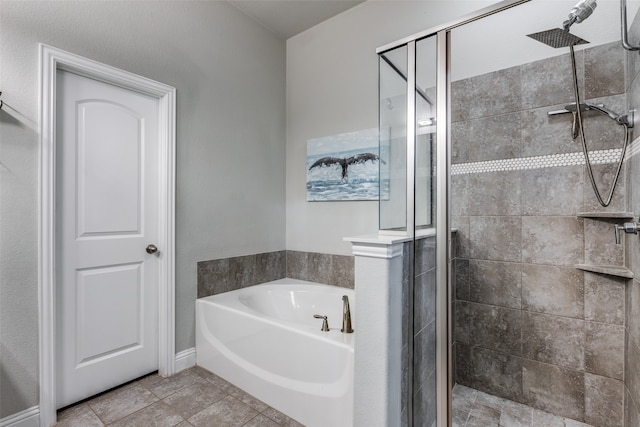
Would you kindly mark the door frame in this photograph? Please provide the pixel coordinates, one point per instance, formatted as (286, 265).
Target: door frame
(50, 61)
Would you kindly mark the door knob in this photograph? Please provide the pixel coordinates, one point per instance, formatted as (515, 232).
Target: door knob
(152, 249)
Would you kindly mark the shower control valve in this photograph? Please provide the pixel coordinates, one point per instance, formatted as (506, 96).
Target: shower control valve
(627, 227)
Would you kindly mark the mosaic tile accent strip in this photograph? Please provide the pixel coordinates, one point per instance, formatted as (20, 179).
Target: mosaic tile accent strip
(537, 162)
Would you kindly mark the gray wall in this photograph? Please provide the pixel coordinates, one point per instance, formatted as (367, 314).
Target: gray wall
(530, 327)
(632, 312)
(230, 79)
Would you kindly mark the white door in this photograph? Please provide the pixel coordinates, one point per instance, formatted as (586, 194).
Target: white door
(107, 204)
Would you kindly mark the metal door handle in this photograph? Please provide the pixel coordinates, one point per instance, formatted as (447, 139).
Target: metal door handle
(152, 249)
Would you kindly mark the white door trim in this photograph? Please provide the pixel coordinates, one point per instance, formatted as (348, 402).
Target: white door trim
(51, 60)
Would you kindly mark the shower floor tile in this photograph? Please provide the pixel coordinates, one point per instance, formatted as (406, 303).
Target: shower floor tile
(474, 408)
(193, 397)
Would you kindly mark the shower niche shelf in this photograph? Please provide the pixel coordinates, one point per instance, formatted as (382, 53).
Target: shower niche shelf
(611, 270)
(606, 215)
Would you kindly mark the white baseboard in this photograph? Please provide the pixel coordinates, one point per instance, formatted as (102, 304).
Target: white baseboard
(27, 418)
(185, 359)
(31, 417)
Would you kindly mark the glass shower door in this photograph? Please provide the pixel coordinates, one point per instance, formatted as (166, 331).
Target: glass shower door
(408, 140)
(426, 288)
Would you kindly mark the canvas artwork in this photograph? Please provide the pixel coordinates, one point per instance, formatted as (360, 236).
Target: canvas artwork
(343, 167)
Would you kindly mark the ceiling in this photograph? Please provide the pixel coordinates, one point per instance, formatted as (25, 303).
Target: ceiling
(286, 18)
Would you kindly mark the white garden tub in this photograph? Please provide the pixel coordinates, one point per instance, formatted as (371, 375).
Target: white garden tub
(265, 340)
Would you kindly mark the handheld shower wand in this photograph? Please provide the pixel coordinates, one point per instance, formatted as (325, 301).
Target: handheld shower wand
(579, 13)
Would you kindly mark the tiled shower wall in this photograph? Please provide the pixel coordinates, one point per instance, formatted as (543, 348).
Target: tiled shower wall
(632, 323)
(529, 326)
(228, 274)
(424, 331)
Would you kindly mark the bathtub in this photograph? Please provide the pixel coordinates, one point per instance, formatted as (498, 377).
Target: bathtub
(265, 340)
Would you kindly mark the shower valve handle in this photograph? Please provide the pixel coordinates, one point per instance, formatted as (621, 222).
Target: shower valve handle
(627, 227)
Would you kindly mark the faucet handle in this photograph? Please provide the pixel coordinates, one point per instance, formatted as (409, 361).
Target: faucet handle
(325, 323)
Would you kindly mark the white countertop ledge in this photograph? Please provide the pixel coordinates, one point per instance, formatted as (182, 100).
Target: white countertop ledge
(377, 239)
(390, 239)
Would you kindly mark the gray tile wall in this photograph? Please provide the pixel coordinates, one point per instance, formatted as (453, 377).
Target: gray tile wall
(424, 332)
(529, 326)
(423, 381)
(632, 301)
(227, 274)
(336, 270)
(407, 271)
(407, 314)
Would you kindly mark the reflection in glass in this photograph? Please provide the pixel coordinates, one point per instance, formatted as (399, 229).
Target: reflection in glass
(393, 149)
(425, 130)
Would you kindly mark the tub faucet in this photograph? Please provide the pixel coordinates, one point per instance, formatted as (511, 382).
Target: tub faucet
(325, 323)
(346, 316)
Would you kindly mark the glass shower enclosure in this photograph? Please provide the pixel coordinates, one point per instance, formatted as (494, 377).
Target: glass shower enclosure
(415, 153)
(481, 140)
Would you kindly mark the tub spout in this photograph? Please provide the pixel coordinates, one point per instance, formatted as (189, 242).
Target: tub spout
(346, 316)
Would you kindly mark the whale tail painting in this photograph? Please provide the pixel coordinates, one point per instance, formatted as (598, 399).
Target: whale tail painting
(346, 162)
(344, 167)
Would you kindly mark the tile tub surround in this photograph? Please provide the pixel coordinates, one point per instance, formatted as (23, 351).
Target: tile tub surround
(228, 274)
(194, 397)
(336, 270)
(529, 327)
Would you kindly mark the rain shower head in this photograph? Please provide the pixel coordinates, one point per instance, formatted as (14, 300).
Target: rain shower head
(557, 37)
(561, 37)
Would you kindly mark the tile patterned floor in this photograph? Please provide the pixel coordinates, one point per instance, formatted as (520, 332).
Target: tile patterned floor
(193, 397)
(196, 397)
(473, 408)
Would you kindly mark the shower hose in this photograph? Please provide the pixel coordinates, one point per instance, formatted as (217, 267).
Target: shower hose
(603, 202)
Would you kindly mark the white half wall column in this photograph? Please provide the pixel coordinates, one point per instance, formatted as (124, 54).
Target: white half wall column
(378, 329)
